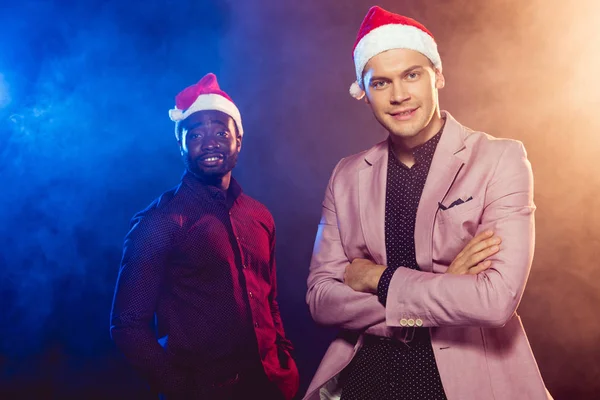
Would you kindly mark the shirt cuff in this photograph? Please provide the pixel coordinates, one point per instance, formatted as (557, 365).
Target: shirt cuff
(384, 284)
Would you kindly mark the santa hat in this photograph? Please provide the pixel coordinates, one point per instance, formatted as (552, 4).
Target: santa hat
(204, 95)
(382, 30)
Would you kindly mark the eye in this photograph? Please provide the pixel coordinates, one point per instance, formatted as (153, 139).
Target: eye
(412, 75)
(222, 134)
(194, 135)
(378, 84)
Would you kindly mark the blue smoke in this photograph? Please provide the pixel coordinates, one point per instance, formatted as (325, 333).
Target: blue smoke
(85, 141)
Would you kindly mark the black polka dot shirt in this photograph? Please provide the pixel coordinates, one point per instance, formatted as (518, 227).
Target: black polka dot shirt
(387, 368)
(196, 292)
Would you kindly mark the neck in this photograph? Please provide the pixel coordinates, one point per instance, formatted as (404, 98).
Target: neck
(403, 147)
(221, 182)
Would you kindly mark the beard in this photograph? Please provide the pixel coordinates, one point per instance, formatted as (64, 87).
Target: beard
(210, 174)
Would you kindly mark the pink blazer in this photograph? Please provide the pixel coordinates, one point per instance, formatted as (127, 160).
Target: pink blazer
(478, 340)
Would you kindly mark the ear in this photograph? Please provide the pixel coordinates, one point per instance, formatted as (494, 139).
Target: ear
(440, 81)
(364, 91)
(238, 140)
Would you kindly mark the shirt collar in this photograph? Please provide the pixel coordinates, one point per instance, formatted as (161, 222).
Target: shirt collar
(212, 193)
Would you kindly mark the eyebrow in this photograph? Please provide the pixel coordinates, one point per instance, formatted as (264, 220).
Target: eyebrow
(407, 70)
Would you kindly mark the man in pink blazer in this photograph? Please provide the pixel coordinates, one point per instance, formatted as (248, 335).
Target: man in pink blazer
(407, 260)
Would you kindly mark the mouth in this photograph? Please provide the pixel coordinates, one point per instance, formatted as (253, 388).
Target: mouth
(211, 160)
(404, 115)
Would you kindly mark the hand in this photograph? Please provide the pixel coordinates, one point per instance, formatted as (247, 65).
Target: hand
(363, 275)
(472, 259)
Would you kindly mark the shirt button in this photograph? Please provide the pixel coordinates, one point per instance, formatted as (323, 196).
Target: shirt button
(244, 266)
(411, 322)
(251, 295)
(403, 322)
(256, 324)
(419, 322)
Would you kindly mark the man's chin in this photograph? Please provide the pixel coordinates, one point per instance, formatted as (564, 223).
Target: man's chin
(212, 174)
(404, 134)
(208, 175)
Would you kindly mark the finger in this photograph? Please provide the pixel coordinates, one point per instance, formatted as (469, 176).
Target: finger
(480, 267)
(478, 238)
(469, 256)
(482, 245)
(474, 259)
(487, 252)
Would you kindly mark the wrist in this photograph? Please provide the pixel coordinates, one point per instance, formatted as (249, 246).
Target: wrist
(376, 273)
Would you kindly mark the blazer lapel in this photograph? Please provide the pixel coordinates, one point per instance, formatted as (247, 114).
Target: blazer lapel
(446, 164)
(372, 181)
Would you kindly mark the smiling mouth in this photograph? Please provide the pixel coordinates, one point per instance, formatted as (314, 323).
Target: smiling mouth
(211, 160)
(404, 115)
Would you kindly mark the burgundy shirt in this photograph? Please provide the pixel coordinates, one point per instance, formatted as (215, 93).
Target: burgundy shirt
(196, 291)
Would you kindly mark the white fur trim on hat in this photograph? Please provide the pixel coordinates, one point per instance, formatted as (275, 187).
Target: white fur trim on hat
(209, 102)
(393, 36)
(356, 91)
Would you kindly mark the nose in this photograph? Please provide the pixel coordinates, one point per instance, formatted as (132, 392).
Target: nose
(399, 93)
(209, 143)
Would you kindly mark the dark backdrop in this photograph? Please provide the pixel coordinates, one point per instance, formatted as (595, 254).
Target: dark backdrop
(85, 142)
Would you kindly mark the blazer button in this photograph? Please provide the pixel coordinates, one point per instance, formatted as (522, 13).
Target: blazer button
(411, 322)
(403, 322)
(419, 322)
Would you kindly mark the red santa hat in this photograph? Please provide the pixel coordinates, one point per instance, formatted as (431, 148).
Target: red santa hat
(382, 30)
(204, 95)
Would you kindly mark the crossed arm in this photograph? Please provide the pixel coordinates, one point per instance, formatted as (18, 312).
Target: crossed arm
(486, 298)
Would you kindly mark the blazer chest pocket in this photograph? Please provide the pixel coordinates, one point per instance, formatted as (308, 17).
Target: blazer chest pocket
(459, 222)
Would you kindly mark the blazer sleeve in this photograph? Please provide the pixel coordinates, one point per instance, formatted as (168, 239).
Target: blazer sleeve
(490, 298)
(331, 302)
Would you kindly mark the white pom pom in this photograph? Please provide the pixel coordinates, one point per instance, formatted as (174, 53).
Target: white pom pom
(175, 115)
(356, 91)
